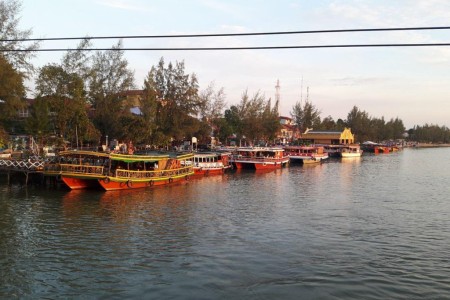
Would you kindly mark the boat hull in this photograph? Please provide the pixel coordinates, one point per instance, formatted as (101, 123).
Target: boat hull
(260, 165)
(350, 155)
(113, 184)
(209, 171)
(79, 183)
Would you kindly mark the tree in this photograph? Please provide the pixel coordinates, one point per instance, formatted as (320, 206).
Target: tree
(63, 87)
(4, 138)
(12, 38)
(177, 100)
(212, 106)
(38, 123)
(328, 124)
(108, 77)
(12, 93)
(359, 122)
(306, 116)
(65, 96)
(270, 121)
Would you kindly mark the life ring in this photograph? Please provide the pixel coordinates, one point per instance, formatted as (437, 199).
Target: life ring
(129, 183)
(106, 180)
(150, 183)
(186, 177)
(170, 180)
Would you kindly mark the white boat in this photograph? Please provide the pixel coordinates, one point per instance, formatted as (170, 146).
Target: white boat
(306, 154)
(259, 158)
(351, 151)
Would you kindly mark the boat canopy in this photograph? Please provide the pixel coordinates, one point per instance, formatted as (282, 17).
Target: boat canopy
(137, 158)
(82, 153)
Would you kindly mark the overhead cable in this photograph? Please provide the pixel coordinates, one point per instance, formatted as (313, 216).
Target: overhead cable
(234, 48)
(228, 34)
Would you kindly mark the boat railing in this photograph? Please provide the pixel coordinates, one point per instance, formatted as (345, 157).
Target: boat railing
(258, 159)
(82, 169)
(210, 165)
(122, 173)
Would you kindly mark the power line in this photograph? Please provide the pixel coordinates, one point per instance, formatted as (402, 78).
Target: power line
(229, 34)
(234, 48)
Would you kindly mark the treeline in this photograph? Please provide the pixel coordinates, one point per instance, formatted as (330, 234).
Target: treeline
(430, 134)
(359, 121)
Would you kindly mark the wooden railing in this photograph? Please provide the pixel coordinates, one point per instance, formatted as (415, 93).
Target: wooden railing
(153, 174)
(71, 168)
(18, 165)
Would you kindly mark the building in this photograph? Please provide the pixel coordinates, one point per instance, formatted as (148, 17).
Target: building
(328, 137)
(288, 131)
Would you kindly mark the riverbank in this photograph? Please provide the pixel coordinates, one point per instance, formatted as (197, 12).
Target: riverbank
(430, 145)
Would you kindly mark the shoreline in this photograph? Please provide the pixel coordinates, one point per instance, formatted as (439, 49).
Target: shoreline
(428, 145)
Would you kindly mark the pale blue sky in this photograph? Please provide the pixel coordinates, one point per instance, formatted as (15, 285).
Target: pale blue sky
(411, 83)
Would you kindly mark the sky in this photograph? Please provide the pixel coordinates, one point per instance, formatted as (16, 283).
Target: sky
(411, 83)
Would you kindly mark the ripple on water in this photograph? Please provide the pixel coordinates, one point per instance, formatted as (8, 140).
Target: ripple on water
(374, 228)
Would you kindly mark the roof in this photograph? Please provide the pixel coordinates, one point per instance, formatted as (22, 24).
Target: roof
(323, 132)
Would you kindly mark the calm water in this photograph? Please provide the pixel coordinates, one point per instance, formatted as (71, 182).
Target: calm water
(373, 228)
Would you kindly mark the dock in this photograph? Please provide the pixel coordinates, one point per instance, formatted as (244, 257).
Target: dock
(25, 168)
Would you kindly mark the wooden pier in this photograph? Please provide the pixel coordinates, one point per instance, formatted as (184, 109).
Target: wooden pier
(27, 168)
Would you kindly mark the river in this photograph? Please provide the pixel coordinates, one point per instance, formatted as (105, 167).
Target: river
(371, 228)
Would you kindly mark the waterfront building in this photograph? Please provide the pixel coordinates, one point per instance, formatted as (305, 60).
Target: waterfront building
(327, 137)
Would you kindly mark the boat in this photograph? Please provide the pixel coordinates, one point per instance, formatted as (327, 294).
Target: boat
(78, 169)
(351, 151)
(259, 158)
(376, 148)
(211, 163)
(112, 171)
(139, 171)
(306, 154)
(333, 150)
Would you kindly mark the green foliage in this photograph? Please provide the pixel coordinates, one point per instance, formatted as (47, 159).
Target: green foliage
(12, 92)
(306, 116)
(4, 138)
(375, 129)
(253, 119)
(108, 77)
(38, 123)
(175, 96)
(11, 34)
(430, 133)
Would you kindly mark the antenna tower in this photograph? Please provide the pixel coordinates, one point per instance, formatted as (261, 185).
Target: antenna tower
(277, 96)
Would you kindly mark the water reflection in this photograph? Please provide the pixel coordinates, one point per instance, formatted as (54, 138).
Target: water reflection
(370, 228)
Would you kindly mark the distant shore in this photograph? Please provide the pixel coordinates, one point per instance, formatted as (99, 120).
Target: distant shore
(430, 145)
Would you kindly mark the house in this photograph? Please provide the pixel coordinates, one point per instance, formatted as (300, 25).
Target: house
(288, 131)
(328, 137)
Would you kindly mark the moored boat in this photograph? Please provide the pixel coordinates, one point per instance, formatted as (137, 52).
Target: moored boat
(306, 154)
(211, 163)
(259, 158)
(78, 169)
(351, 151)
(140, 171)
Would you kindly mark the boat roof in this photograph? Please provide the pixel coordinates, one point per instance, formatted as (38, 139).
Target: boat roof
(83, 153)
(255, 149)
